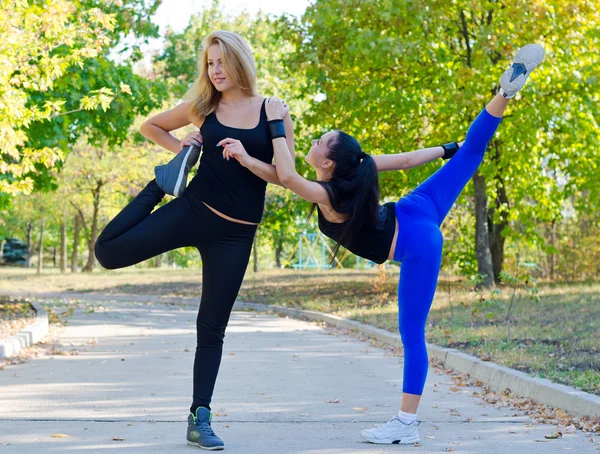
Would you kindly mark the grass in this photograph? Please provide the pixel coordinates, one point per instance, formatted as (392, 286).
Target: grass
(555, 337)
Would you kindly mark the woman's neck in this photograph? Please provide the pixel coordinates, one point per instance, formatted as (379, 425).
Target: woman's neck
(235, 96)
(323, 175)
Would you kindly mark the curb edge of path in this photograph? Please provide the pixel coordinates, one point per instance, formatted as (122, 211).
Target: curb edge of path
(496, 377)
(28, 336)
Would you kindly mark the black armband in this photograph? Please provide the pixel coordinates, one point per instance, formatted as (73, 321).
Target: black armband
(450, 150)
(277, 128)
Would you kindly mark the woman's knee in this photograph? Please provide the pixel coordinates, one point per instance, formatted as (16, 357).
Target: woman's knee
(104, 256)
(209, 336)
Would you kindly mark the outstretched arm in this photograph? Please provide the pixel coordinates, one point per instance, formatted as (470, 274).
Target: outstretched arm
(403, 161)
(285, 165)
(286, 170)
(233, 148)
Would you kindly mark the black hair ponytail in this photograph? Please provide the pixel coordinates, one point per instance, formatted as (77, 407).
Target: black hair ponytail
(353, 188)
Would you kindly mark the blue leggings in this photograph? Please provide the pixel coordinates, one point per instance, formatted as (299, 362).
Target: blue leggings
(419, 244)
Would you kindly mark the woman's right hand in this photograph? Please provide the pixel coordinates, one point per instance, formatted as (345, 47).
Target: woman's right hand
(192, 138)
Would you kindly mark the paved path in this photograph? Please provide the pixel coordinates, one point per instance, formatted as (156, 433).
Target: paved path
(132, 381)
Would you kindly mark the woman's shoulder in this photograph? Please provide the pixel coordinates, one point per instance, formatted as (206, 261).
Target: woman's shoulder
(195, 119)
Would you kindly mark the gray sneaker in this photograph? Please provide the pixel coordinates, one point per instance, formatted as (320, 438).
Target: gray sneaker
(526, 60)
(172, 177)
(200, 433)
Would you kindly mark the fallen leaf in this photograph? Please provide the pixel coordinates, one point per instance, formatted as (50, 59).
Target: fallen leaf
(334, 401)
(118, 439)
(417, 444)
(553, 436)
(430, 437)
(454, 389)
(60, 436)
(361, 409)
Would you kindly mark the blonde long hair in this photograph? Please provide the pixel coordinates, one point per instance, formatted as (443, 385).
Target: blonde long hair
(239, 66)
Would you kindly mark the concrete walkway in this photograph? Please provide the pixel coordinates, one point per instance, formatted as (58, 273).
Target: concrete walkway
(128, 390)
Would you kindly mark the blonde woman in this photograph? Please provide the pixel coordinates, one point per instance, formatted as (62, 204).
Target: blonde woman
(219, 211)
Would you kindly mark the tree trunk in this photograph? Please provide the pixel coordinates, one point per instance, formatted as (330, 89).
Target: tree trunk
(91, 261)
(40, 263)
(553, 255)
(255, 253)
(158, 260)
(76, 228)
(63, 245)
(278, 251)
(482, 241)
(28, 258)
(497, 240)
(2, 243)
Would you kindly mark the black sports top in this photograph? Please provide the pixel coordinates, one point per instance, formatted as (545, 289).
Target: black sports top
(371, 242)
(227, 186)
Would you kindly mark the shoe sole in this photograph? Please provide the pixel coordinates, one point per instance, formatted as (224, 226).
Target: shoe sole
(388, 441)
(198, 445)
(530, 56)
(184, 169)
(182, 164)
(188, 162)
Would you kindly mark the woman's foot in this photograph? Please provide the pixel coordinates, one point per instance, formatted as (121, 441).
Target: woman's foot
(393, 432)
(172, 177)
(200, 433)
(527, 59)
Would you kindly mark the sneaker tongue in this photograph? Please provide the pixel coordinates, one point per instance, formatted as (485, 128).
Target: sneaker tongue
(203, 414)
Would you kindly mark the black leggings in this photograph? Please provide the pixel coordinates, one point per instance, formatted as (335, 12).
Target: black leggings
(137, 234)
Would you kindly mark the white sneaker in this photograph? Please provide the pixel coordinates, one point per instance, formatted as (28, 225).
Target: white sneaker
(527, 59)
(393, 432)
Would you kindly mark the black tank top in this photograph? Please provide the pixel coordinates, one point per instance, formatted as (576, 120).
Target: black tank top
(227, 186)
(371, 242)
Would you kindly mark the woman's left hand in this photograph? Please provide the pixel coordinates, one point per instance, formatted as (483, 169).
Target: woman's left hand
(233, 148)
(276, 108)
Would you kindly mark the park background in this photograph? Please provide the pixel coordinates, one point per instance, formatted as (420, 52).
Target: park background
(519, 282)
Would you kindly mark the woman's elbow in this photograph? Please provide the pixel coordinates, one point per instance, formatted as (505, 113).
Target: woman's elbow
(285, 179)
(144, 128)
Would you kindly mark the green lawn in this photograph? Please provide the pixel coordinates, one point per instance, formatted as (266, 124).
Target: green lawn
(555, 338)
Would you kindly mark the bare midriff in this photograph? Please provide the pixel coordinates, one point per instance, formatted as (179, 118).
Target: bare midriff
(218, 213)
(393, 247)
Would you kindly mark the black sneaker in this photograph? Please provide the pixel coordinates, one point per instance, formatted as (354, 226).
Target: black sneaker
(172, 177)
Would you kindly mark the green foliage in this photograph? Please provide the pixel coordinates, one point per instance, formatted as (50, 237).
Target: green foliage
(400, 75)
(53, 74)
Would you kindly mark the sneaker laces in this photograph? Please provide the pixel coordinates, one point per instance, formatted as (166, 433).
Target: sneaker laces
(416, 422)
(204, 428)
(386, 424)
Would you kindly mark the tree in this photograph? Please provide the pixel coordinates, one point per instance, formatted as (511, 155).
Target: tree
(96, 182)
(54, 55)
